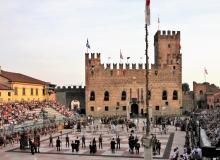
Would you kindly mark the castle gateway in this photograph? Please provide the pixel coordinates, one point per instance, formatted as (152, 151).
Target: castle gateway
(120, 90)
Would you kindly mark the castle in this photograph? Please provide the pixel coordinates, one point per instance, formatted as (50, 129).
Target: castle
(121, 90)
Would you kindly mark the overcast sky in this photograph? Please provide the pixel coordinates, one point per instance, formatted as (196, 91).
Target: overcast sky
(46, 38)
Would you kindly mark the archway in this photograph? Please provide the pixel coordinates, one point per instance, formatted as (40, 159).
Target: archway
(75, 105)
(134, 109)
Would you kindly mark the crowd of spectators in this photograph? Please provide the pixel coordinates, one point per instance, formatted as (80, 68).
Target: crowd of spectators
(62, 109)
(18, 112)
(210, 121)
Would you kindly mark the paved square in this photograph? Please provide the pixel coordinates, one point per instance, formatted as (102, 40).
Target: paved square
(165, 139)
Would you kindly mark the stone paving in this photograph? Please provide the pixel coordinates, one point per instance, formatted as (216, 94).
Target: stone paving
(47, 152)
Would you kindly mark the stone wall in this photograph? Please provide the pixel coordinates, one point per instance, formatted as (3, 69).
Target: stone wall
(164, 75)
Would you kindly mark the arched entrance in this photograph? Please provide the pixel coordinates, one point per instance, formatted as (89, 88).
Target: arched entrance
(75, 105)
(134, 109)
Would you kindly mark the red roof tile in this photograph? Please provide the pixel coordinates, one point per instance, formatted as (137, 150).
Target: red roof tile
(4, 87)
(17, 77)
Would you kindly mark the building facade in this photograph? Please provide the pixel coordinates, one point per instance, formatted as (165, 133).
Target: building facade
(206, 95)
(121, 90)
(21, 87)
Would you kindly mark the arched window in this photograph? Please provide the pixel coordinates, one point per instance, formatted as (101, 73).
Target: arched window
(149, 95)
(164, 95)
(201, 92)
(123, 96)
(175, 95)
(106, 96)
(92, 96)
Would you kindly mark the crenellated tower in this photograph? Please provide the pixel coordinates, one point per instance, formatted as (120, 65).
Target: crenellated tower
(167, 48)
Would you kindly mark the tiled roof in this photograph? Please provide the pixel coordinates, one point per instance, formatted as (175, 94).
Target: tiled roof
(4, 87)
(17, 77)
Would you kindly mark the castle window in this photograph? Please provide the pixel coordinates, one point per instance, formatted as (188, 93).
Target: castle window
(92, 96)
(157, 108)
(174, 67)
(16, 91)
(142, 95)
(156, 72)
(169, 46)
(164, 95)
(106, 96)
(124, 108)
(106, 108)
(9, 94)
(36, 91)
(92, 70)
(32, 91)
(166, 103)
(149, 95)
(123, 96)
(92, 108)
(201, 92)
(175, 95)
(23, 91)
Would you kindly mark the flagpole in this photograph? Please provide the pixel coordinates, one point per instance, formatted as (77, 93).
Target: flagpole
(147, 81)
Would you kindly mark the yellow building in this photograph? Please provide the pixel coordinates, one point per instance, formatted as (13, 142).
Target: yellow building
(5, 93)
(24, 88)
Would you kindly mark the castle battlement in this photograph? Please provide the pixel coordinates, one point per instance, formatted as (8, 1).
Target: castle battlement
(122, 66)
(93, 55)
(63, 88)
(167, 35)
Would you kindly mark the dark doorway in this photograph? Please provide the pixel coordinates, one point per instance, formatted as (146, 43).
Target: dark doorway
(134, 110)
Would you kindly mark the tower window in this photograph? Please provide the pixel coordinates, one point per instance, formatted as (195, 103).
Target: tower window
(92, 108)
(174, 67)
(157, 108)
(164, 95)
(9, 94)
(169, 46)
(201, 92)
(123, 96)
(92, 96)
(106, 108)
(106, 96)
(175, 95)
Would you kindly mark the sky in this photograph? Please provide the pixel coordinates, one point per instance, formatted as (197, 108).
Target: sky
(46, 39)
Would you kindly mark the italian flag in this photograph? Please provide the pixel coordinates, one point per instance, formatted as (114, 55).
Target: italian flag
(147, 12)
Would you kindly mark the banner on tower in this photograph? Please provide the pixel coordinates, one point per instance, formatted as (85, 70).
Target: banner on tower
(147, 12)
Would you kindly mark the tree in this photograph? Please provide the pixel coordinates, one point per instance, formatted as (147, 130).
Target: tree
(185, 87)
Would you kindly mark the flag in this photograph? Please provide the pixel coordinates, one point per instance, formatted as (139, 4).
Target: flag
(121, 56)
(87, 44)
(158, 22)
(147, 12)
(205, 71)
(128, 57)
